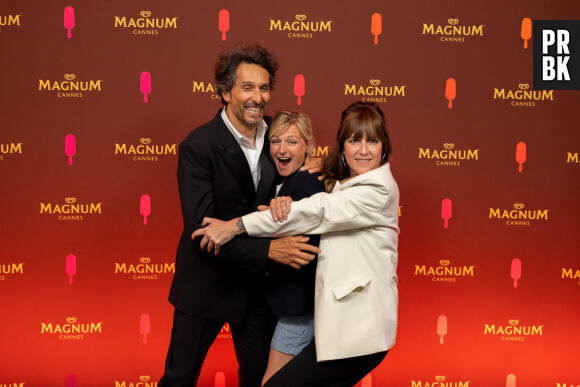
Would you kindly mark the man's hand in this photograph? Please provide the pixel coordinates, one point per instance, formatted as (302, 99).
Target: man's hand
(292, 251)
(314, 165)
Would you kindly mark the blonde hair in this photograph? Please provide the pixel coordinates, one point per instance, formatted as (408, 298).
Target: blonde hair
(286, 118)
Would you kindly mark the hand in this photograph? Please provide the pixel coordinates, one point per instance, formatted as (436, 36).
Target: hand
(314, 165)
(280, 207)
(292, 251)
(215, 233)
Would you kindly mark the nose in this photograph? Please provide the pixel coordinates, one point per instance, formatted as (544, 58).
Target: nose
(283, 147)
(363, 147)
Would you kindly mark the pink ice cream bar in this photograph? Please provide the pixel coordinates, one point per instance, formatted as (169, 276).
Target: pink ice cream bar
(145, 85)
(450, 91)
(69, 20)
(71, 267)
(145, 326)
(145, 207)
(376, 26)
(299, 87)
(70, 147)
(220, 379)
(446, 211)
(442, 327)
(224, 23)
(521, 155)
(516, 271)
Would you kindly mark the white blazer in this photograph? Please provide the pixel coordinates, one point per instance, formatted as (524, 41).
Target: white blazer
(355, 310)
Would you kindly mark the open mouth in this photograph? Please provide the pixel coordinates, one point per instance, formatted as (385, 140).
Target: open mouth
(284, 161)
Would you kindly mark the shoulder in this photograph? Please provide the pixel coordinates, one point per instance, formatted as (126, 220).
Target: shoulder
(301, 185)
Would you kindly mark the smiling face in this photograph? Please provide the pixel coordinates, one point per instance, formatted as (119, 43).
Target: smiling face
(288, 149)
(249, 97)
(362, 155)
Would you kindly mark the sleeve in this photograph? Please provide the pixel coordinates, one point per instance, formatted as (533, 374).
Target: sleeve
(303, 185)
(354, 207)
(195, 184)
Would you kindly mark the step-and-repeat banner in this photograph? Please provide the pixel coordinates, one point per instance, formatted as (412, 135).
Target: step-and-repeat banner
(95, 97)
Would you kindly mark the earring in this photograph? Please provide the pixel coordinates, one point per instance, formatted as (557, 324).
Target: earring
(384, 155)
(344, 161)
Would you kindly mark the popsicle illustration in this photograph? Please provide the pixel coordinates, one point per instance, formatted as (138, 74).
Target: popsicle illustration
(145, 207)
(224, 23)
(145, 326)
(446, 211)
(510, 381)
(367, 381)
(526, 30)
(220, 379)
(69, 20)
(376, 26)
(516, 271)
(145, 84)
(521, 155)
(442, 327)
(71, 380)
(450, 92)
(71, 267)
(299, 87)
(70, 147)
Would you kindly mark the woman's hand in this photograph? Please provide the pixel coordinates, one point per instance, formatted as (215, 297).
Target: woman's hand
(280, 207)
(215, 233)
(314, 165)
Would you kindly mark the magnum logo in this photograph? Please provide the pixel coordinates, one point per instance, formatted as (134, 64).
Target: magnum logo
(444, 272)
(145, 25)
(206, 88)
(69, 88)
(440, 381)
(9, 21)
(71, 329)
(518, 216)
(453, 31)
(571, 274)
(145, 151)
(572, 158)
(523, 96)
(448, 155)
(71, 210)
(10, 269)
(513, 331)
(319, 151)
(301, 28)
(144, 270)
(374, 92)
(10, 149)
(225, 332)
(144, 381)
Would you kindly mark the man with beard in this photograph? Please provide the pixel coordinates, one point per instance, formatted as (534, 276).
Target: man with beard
(225, 171)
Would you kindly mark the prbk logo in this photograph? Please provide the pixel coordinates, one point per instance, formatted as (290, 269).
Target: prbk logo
(145, 24)
(9, 149)
(523, 96)
(573, 274)
(145, 151)
(518, 216)
(301, 28)
(374, 91)
(448, 155)
(444, 272)
(453, 31)
(71, 329)
(8, 270)
(144, 381)
(144, 269)
(513, 331)
(70, 209)
(439, 381)
(70, 87)
(9, 21)
(205, 88)
(572, 158)
(556, 54)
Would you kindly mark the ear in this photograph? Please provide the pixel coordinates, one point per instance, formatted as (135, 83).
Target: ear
(227, 96)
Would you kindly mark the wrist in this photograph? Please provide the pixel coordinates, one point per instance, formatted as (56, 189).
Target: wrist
(240, 227)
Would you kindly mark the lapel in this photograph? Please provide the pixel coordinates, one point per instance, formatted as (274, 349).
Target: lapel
(233, 157)
(267, 175)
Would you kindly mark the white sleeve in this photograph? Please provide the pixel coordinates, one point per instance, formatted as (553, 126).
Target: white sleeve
(354, 207)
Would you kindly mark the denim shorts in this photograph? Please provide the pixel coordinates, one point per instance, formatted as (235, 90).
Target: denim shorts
(293, 333)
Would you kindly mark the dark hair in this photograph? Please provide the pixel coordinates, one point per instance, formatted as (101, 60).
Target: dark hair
(360, 119)
(228, 62)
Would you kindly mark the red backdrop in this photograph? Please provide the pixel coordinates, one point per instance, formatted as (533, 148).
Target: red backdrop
(84, 282)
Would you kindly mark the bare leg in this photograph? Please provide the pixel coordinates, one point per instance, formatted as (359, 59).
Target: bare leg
(276, 360)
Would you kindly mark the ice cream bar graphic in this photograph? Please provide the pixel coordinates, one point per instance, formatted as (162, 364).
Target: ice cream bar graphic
(526, 30)
(145, 207)
(450, 92)
(510, 381)
(224, 23)
(69, 20)
(71, 380)
(70, 147)
(446, 211)
(145, 84)
(442, 327)
(376, 26)
(145, 326)
(220, 379)
(521, 155)
(367, 381)
(299, 87)
(516, 271)
(71, 267)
